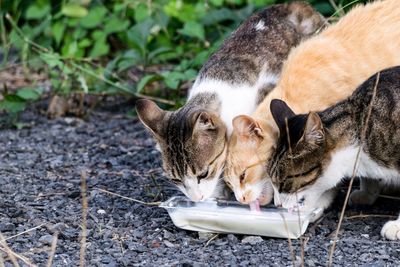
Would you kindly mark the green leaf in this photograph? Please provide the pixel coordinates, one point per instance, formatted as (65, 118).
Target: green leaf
(58, 29)
(86, 42)
(147, 79)
(139, 33)
(101, 47)
(74, 10)
(201, 58)
(141, 12)
(52, 60)
(36, 11)
(159, 51)
(12, 104)
(260, 3)
(172, 79)
(324, 8)
(193, 29)
(182, 11)
(129, 59)
(190, 74)
(29, 93)
(218, 15)
(217, 2)
(115, 24)
(94, 18)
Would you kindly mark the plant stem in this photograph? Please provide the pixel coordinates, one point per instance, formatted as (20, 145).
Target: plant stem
(3, 40)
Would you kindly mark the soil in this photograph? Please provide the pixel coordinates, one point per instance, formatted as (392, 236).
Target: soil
(40, 185)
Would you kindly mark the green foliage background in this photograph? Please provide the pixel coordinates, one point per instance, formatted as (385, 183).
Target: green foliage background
(90, 45)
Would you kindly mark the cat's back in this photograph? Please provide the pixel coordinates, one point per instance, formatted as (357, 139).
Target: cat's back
(335, 62)
(261, 43)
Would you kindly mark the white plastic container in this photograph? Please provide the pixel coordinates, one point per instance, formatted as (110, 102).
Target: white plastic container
(217, 216)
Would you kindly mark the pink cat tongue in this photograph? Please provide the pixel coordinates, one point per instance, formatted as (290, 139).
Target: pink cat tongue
(255, 205)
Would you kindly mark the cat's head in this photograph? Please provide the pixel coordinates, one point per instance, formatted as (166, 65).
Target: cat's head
(301, 158)
(248, 149)
(192, 144)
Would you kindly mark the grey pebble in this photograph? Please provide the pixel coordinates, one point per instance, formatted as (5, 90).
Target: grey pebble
(252, 240)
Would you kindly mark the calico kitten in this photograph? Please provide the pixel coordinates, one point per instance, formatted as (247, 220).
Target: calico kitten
(318, 73)
(317, 150)
(193, 139)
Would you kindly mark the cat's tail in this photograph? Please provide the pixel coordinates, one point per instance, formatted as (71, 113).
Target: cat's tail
(305, 18)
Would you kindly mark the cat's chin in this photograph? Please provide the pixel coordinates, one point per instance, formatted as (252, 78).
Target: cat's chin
(306, 201)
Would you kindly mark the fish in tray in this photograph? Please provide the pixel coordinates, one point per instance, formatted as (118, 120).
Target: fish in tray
(218, 216)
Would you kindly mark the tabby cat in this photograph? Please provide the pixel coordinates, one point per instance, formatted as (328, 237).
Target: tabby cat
(317, 150)
(318, 73)
(193, 139)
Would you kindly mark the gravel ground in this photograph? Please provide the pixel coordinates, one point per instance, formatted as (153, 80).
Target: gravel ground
(40, 177)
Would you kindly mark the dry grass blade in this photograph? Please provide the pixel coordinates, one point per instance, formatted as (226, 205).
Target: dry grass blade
(131, 199)
(82, 252)
(8, 250)
(24, 232)
(338, 10)
(22, 258)
(53, 249)
(389, 197)
(292, 253)
(1, 260)
(363, 133)
(211, 239)
(370, 216)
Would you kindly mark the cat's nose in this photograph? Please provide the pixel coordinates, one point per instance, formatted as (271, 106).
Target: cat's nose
(197, 198)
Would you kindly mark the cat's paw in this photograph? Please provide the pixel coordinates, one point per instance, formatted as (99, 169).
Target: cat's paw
(391, 230)
(361, 197)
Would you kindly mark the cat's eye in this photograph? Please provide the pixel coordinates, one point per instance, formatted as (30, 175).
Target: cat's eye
(242, 176)
(229, 185)
(203, 175)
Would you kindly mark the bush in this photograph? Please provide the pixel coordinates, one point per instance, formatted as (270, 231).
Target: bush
(91, 46)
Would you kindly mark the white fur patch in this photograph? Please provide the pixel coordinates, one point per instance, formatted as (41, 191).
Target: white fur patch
(340, 167)
(391, 230)
(207, 188)
(306, 26)
(235, 99)
(260, 25)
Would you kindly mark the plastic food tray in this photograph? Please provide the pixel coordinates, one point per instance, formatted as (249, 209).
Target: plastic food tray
(218, 216)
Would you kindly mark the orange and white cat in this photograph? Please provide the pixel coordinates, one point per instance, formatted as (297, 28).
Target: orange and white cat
(318, 73)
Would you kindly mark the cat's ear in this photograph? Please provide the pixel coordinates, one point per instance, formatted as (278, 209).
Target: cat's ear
(314, 130)
(281, 112)
(204, 122)
(246, 127)
(150, 115)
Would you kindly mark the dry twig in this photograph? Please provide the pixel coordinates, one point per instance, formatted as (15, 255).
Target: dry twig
(82, 252)
(53, 249)
(24, 232)
(8, 250)
(1, 260)
(211, 239)
(370, 216)
(131, 199)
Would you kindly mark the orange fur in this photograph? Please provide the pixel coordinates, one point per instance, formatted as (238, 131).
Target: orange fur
(318, 73)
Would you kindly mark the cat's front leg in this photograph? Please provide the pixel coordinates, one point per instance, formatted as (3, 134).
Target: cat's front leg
(391, 230)
(367, 194)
